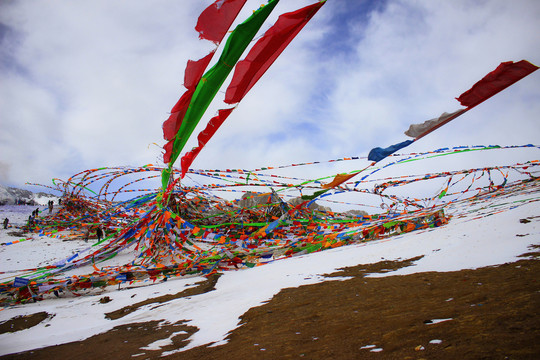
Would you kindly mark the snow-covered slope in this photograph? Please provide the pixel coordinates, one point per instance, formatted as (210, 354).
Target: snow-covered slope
(12, 196)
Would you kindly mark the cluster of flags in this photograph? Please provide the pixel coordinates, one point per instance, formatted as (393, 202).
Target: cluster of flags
(506, 74)
(202, 86)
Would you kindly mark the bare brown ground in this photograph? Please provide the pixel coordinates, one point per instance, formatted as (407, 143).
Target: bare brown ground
(493, 311)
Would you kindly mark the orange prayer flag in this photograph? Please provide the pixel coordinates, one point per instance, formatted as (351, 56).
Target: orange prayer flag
(338, 180)
(166, 216)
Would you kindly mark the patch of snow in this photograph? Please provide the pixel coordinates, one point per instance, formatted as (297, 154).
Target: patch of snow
(436, 321)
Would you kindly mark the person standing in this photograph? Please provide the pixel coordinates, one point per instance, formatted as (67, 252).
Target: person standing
(6, 222)
(86, 234)
(99, 233)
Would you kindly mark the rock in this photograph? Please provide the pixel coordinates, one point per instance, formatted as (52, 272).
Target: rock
(105, 300)
(357, 213)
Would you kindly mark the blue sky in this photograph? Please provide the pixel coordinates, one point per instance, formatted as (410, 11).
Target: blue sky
(88, 84)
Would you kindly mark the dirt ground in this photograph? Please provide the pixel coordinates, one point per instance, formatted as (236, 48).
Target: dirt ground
(487, 313)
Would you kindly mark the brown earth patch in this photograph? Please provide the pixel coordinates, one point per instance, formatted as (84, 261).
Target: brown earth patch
(16, 233)
(19, 323)
(119, 343)
(490, 313)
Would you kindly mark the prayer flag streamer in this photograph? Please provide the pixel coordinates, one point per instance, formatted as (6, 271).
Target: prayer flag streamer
(267, 49)
(499, 79)
(204, 136)
(216, 19)
(377, 154)
(418, 130)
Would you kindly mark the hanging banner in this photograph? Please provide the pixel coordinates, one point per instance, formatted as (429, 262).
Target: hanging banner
(338, 180)
(248, 71)
(212, 25)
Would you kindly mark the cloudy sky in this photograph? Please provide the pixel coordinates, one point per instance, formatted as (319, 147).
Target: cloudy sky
(86, 84)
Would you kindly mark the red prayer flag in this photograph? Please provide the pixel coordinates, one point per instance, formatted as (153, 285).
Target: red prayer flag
(499, 79)
(168, 151)
(216, 19)
(263, 54)
(172, 124)
(192, 75)
(205, 135)
(195, 70)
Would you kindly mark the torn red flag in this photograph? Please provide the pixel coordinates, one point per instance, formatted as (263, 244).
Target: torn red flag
(172, 124)
(192, 75)
(499, 79)
(217, 18)
(168, 151)
(204, 136)
(195, 70)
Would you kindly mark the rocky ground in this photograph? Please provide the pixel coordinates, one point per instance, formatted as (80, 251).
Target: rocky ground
(487, 313)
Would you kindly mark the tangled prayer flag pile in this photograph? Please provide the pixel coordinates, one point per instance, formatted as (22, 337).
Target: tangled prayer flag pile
(197, 232)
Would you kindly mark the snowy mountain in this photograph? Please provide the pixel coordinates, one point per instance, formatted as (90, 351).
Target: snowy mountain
(14, 196)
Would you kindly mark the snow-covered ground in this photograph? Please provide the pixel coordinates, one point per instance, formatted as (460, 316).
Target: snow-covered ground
(483, 233)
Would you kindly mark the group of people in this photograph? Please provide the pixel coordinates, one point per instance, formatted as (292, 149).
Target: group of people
(99, 233)
(35, 213)
(33, 217)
